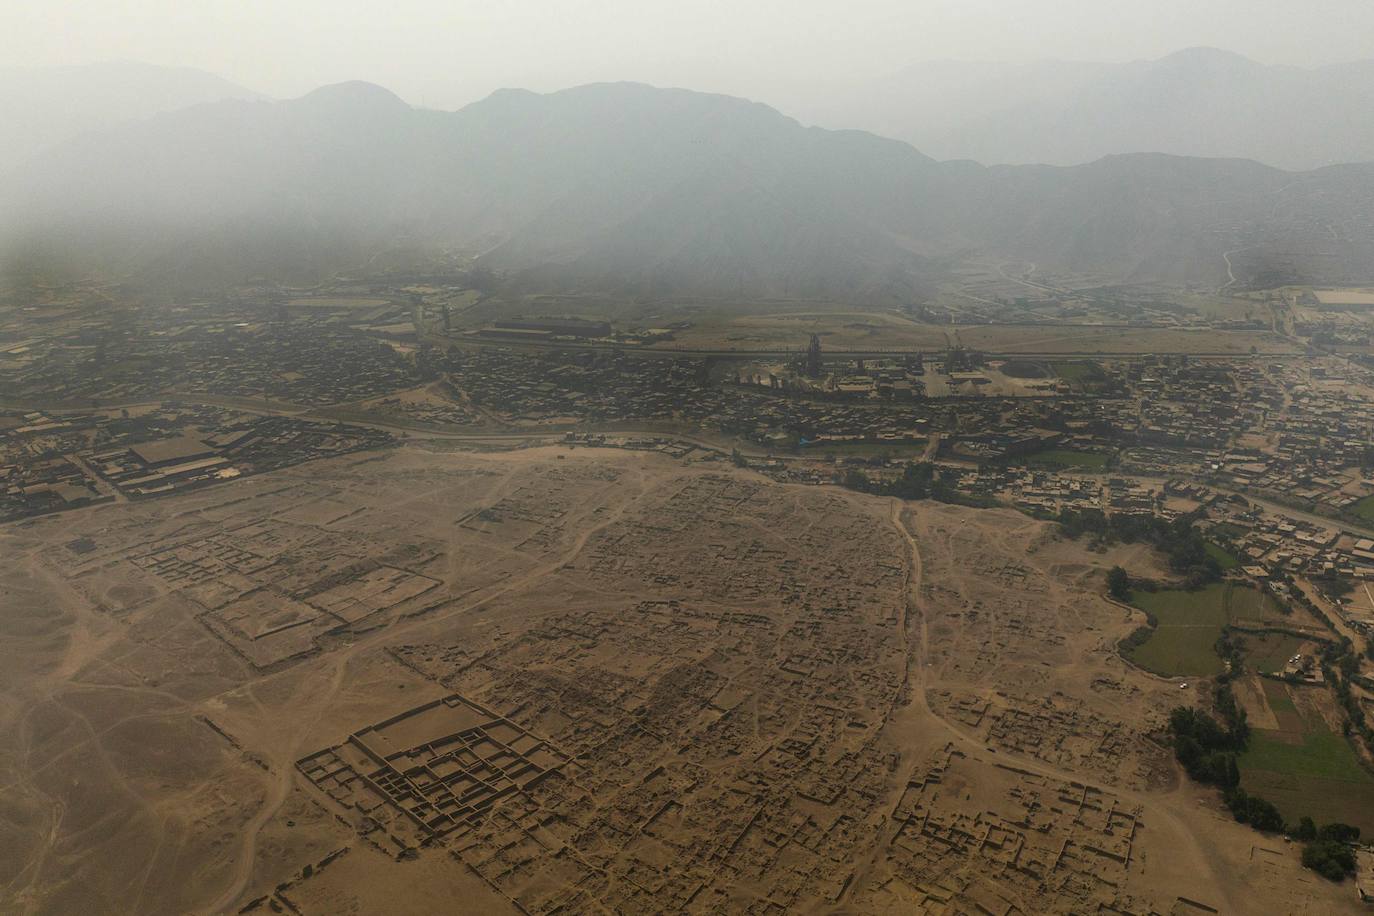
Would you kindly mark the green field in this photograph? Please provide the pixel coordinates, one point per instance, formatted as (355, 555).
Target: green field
(1316, 753)
(1306, 769)
(1179, 650)
(1077, 371)
(1022, 368)
(1251, 606)
(1068, 458)
(1188, 624)
(1269, 652)
(1225, 559)
(1364, 509)
(1279, 701)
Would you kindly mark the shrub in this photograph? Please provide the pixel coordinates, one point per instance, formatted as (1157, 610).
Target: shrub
(1253, 810)
(1118, 583)
(1329, 858)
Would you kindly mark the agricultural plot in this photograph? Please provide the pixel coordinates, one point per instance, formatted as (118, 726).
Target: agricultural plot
(1225, 559)
(1269, 652)
(1187, 625)
(1251, 607)
(1304, 767)
(1076, 371)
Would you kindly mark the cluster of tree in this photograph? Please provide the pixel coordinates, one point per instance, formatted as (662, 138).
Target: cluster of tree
(482, 278)
(1230, 648)
(919, 480)
(1179, 540)
(429, 363)
(1253, 810)
(1299, 597)
(1207, 749)
(1335, 587)
(1138, 637)
(1119, 583)
(1327, 851)
(1340, 664)
(1328, 858)
(1332, 833)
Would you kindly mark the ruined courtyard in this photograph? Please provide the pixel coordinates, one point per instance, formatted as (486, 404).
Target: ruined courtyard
(557, 680)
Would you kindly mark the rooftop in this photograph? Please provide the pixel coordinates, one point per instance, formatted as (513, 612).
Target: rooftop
(164, 451)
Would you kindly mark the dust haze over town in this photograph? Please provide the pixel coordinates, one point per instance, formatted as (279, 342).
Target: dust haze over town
(608, 457)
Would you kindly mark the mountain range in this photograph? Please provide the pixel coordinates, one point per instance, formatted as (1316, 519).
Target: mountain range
(632, 189)
(44, 106)
(1197, 102)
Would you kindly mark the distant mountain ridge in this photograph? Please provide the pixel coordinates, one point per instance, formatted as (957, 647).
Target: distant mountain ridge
(1197, 102)
(41, 107)
(628, 188)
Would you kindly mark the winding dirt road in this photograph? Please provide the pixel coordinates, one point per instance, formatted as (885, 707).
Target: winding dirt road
(919, 711)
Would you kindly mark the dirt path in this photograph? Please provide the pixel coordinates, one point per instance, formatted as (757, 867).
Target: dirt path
(919, 713)
(1230, 268)
(903, 712)
(284, 760)
(284, 767)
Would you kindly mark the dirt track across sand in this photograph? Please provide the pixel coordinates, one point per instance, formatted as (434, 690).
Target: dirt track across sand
(548, 680)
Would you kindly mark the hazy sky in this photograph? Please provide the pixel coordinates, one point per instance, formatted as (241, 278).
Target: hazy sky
(444, 53)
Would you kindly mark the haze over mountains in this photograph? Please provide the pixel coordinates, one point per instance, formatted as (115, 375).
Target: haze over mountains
(1197, 102)
(628, 188)
(44, 106)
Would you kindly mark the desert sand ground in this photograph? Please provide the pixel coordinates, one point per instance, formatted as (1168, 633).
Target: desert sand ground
(588, 681)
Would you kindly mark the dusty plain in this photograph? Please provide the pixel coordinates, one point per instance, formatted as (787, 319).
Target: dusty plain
(554, 680)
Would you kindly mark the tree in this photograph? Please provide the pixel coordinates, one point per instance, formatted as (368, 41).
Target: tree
(481, 278)
(1339, 833)
(854, 479)
(1306, 830)
(1329, 858)
(1118, 583)
(1253, 810)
